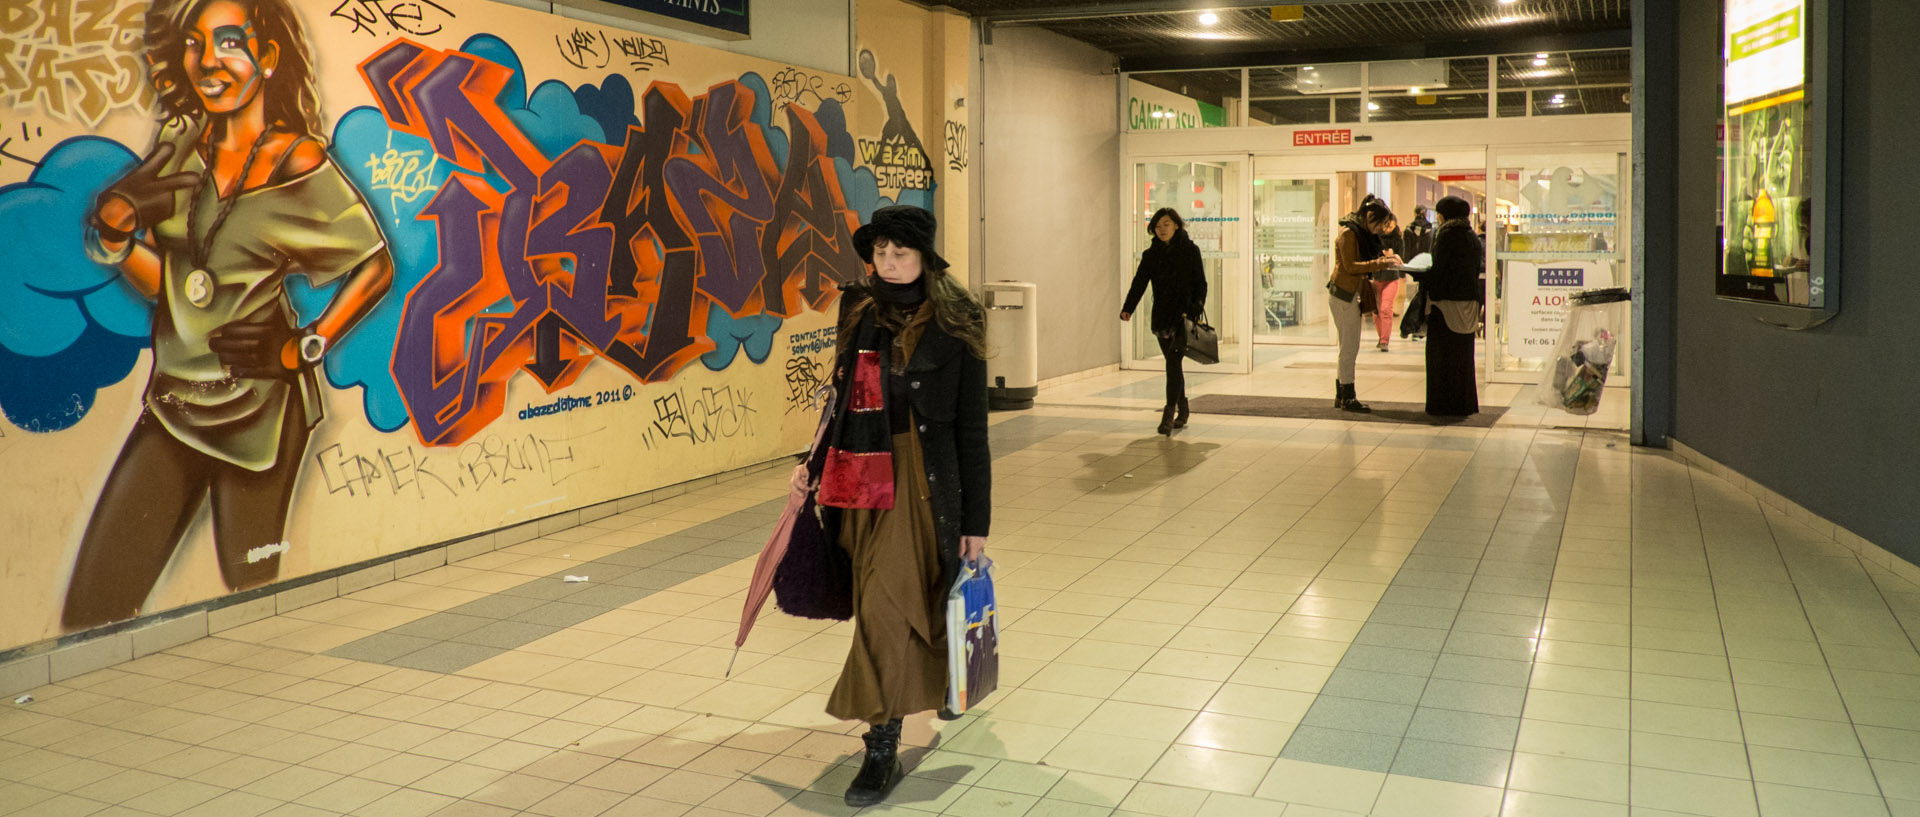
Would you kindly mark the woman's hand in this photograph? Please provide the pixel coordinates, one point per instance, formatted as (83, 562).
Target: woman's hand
(1126, 316)
(972, 548)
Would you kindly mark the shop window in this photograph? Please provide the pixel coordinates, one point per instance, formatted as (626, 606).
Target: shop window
(1565, 83)
(1285, 96)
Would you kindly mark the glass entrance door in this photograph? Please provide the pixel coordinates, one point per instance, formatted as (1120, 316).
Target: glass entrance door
(1292, 254)
(1210, 194)
(1557, 228)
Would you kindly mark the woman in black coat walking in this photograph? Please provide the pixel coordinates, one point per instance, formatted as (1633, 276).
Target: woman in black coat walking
(1453, 291)
(1172, 265)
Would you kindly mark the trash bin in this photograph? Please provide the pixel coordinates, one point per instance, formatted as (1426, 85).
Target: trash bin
(1576, 377)
(1013, 330)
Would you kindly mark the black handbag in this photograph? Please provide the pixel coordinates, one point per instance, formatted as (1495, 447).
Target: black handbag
(1203, 343)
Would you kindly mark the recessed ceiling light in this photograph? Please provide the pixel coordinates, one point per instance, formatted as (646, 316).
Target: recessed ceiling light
(1415, 90)
(1308, 68)
(1373, 106)
(1509, 19)
(1506, 2)
(1208, 18)
(1539, 62)
(1540, 56)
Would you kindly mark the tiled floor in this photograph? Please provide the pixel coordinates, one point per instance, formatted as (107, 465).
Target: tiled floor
(1259, 617)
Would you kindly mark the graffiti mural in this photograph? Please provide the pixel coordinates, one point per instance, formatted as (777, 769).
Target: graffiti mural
(898, 157)
(305, 282)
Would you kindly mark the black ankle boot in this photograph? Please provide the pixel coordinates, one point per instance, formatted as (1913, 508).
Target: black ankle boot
(1166, 420)
(1339, 394)
(880, 771)
(1180, 415)
(1348, 401)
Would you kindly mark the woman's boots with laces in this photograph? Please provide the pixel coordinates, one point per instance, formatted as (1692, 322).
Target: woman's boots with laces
(880, 771)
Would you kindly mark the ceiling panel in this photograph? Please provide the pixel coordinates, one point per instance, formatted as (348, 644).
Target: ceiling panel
(1323, 27)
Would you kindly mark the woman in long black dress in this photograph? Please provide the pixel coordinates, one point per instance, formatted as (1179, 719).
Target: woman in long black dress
(1453, 311)
(1172, 265)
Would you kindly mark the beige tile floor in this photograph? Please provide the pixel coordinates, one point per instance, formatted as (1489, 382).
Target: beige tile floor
(1171, 608)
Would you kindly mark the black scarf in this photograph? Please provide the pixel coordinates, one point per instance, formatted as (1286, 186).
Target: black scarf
(858, 472)
(907, 294)
(1370, 246)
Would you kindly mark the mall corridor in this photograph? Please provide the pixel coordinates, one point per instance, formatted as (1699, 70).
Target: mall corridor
(1258, 617)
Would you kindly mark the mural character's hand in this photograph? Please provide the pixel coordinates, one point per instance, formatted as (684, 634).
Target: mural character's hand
(142, 198)
(1126, 316)
(258, 350)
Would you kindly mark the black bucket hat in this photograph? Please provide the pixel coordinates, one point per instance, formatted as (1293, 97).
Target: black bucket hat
(901, 224)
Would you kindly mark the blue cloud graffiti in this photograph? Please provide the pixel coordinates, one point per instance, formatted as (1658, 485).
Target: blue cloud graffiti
(68, 326)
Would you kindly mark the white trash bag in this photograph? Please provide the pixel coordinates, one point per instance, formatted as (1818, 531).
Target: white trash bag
(1576, 376)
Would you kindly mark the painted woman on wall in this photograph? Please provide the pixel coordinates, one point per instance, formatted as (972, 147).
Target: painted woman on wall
(236, 194)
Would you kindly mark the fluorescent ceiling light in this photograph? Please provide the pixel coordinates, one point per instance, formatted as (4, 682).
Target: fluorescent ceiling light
(1539, 62)
(1373, 106)
(1539, 56)
(1208, 18)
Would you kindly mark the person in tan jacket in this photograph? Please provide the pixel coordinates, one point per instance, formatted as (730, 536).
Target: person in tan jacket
(1357, 255)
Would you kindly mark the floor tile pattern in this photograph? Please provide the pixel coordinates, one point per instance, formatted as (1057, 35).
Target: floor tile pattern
(1256, 618)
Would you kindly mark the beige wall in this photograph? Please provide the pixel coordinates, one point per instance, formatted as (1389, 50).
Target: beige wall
(1052, 165)
(926, 53)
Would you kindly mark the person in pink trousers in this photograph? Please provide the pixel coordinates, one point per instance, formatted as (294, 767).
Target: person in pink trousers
(1388, 289)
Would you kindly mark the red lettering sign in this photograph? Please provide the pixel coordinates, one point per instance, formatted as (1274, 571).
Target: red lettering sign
(1397, 160)
(1321, 138)
(1463, 177)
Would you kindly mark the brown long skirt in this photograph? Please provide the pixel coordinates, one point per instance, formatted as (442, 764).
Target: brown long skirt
(898, 663)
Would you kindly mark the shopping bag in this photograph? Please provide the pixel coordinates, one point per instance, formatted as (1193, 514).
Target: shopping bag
(973, 637)
(1576, 377)
(1203, 343)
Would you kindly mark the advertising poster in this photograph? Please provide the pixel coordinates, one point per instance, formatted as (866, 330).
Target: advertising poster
(296, 284)
(1537, 301)
(1765, 206)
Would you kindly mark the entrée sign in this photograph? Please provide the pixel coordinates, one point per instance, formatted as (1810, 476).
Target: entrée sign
(1396, 160)
(1322, 138)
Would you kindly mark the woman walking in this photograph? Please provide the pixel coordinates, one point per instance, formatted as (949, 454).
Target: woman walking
(906, 478)
(1172, 265)
(237, 194)
(1357, 256)
(1453, 293)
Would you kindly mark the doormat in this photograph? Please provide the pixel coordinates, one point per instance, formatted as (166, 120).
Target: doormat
(1321, 408)
(1365, 364)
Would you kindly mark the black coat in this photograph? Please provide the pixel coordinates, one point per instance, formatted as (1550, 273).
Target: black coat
(1458, 257)
(1419, 237)
(1179, 282)
(947, 388)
